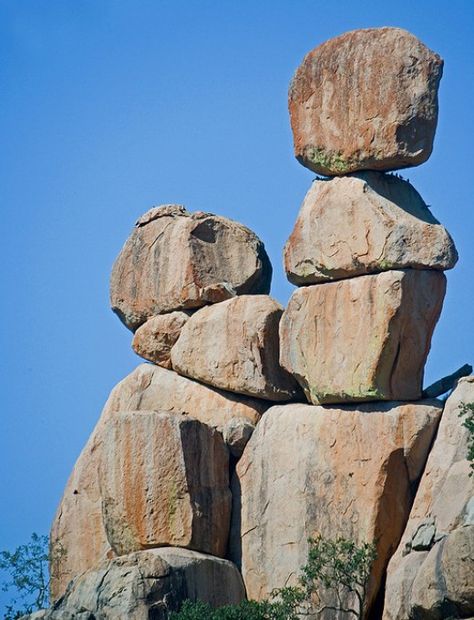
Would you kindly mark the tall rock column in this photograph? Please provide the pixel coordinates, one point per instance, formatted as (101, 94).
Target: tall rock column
(365, 249)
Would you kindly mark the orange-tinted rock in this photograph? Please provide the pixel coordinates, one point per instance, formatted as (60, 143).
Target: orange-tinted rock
(364, 338)
(366, 100)
(234, 346)
(175, 260)
(365, 223)
(431, 575)
(78, 528)
(344, 471)
(154, 339)
(164, 481)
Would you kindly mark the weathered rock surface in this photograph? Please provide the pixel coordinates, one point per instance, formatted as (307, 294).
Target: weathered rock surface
(336, 471)
(236, 434)
(164, 481)
(176, 260)
(154, 339)
(364, 223)
(367, 99)
(148, 585)
(234, 346)
(78, 528)
(364, 338)
(431, 575)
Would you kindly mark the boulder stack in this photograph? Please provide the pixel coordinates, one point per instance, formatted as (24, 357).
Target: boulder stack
(254, 427)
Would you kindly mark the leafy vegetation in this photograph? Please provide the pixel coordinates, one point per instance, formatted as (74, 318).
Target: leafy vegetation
(467, 411)
(27, 570)
(336, 571)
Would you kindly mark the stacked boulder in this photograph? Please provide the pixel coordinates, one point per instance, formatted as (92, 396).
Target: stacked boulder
(255, 428)
(368, 257)
(150, 492)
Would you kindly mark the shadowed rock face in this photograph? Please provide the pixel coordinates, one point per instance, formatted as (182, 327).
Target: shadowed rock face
(431, 575)
(78, 526)
(148, 584)
(234, 346)
(336, 471)
(175, 260)
(364, 338)
(366, 100)
(164, 481)
(365, 223)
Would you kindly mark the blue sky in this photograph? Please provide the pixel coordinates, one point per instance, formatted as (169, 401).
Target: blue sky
(110, 107)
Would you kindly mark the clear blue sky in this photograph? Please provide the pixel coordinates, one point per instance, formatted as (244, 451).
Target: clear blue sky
(110, 107)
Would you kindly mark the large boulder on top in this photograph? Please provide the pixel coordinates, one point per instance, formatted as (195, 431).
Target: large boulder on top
(431, 575)
(176, 260)
(346, 471)
(234, 346)
(364, 223)
(147, 585)
(164, 481)
(155, 338)
(364, 338)
(78, 527)
(366, 100)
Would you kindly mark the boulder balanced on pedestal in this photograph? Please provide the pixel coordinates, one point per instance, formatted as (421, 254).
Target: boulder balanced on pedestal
(175, 260)
(364, 338)
(366, 100)
(364, 223)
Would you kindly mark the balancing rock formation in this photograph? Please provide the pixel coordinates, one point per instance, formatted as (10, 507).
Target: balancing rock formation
(256, 427)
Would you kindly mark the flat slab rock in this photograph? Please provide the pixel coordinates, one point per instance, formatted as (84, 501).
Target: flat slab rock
(431, 575)
(78, 526)
(164, 481)
(336, 471)
(234, 345)
(364, 223)
(147, 584)
(365, 100)
(364, 338)
(176, 260)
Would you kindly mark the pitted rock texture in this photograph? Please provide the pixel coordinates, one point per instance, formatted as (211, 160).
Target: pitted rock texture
(164, 481)
(176, 260)
(364, 338)
(234, 346)
(364, 223)
(336, 471)
(147, 585)
(78, 527)
(432, 577)
(154, 339)
(366, 100)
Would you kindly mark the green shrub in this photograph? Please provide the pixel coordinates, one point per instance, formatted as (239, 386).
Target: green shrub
(335, 569)
(467, 410)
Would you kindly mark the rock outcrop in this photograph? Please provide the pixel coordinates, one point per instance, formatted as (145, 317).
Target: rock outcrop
(335, 471)
(148, 585)
(78, 527)
(175, 260)
(151, 492)
(366, 100)
(154, 339)
(431, 575)
(364, 338)
(234, 345)
(364, 223)
(164, 481)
